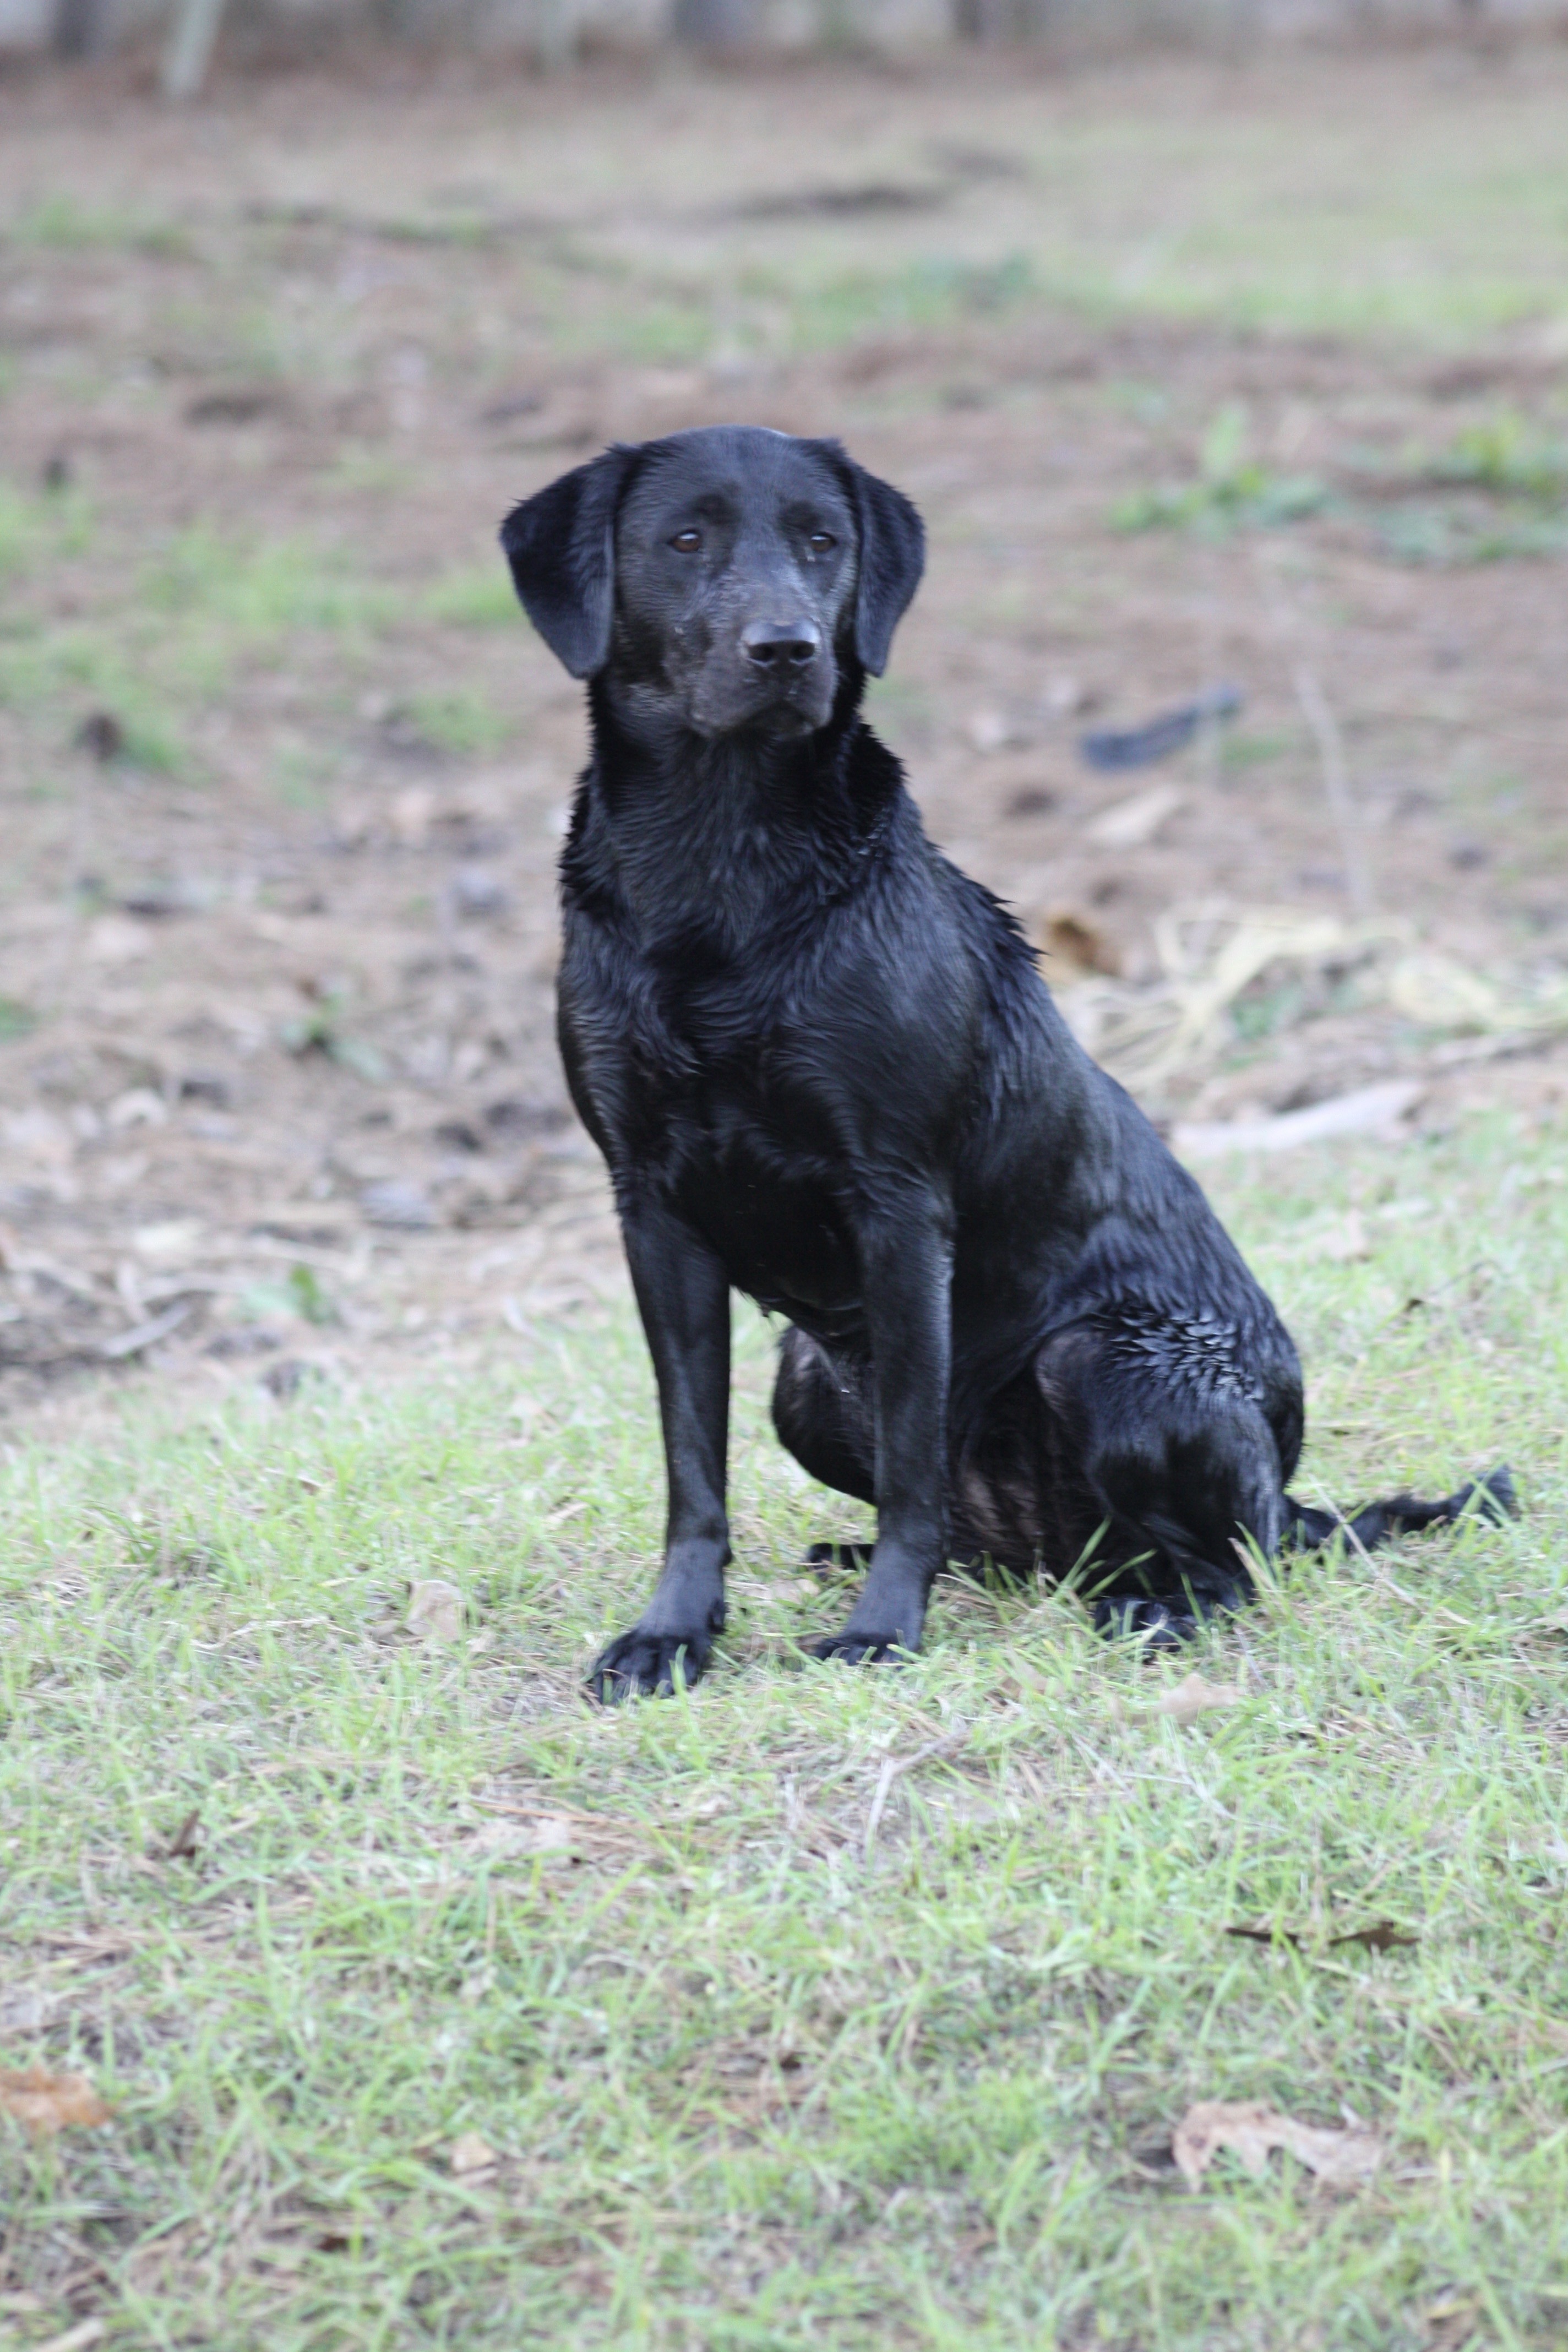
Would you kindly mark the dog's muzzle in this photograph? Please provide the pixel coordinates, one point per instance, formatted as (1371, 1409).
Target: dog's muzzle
(780, 649)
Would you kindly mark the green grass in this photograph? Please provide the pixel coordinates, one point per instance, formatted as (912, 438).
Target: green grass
(481, 597)
(1382, 202)
(58, 223)
(750, 2085)
(189, 620)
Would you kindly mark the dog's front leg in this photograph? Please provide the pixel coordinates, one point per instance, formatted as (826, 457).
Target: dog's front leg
(684, 1299)
(906, 1273)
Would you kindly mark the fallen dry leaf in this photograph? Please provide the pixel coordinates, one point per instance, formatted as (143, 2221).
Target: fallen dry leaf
(1075, 943)
(992, 731)
(469, 2154)
(413, 812)
(185, 1844)
(1382, 1936)
(75, 2339)
(1191, 1697)
(49, 2102)
(1132, 823)
(435, 1610)
(549, 1833)
(1344, 1242)
(114, 940)
(1251, 2131)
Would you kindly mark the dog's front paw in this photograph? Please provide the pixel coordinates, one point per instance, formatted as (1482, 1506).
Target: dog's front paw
(645, 1665)
(864, 1649)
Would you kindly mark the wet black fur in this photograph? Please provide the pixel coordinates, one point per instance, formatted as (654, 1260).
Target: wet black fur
(824, 1069)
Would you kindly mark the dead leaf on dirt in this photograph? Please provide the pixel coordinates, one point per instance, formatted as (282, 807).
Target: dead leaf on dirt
(137, 1107)
(47, 2102)
(549, 1833)
(1443, 993)
(1382, 1936)
(435, 1610)
(1344, 1242)
(469, 2154)
(1251, 2130)
(75, 2339)
(1077, 943)
(992, 730)
(116, 938)
(185, 1843)
(1450, 2325)
(412, 813)
(1191, 1697)
(1132, 823)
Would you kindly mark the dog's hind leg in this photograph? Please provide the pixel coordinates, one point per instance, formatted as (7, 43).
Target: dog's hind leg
(1184, 1472)
(1492, 1498)
(823, 1418)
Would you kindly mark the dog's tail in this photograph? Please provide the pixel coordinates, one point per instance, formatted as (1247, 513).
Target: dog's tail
(1494, 1498)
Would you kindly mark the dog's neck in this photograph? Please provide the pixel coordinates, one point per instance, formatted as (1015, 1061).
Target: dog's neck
(712, 837)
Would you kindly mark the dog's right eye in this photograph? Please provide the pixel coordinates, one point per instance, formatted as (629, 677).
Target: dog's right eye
(687, 542)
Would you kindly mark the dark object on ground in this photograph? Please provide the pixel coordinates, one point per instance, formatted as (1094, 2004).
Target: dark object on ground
(875, 197)
(1140, 747)
(102, 734)
(479, 895)
(240, 405)
(397, 1204)
(824, 1069)
(250, 1339)
(514, 1116)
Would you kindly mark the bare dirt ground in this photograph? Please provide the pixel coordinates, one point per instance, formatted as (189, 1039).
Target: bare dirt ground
(283, 779)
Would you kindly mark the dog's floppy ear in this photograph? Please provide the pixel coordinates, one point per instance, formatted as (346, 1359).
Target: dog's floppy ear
(892, 558)
(561, 545)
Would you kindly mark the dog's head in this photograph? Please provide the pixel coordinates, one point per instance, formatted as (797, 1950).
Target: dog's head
(723, 579)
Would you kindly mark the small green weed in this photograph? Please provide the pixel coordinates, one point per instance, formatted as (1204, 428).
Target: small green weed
(458, 720)
(482, 598)
(262, 591)
(1504, 455)
(320, 1030)
(40, 525)
(1519, 506)
(928, 293)
(1233, 491)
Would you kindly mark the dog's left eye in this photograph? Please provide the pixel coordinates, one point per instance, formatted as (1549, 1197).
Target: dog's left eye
(820, 541)
(687, 542)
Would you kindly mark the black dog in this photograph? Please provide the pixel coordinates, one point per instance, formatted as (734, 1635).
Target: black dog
(824, 1069)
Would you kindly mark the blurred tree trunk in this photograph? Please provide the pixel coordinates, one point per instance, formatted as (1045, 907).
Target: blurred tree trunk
(78, 28)
(991, 22)
(716, 24)
(188, 51)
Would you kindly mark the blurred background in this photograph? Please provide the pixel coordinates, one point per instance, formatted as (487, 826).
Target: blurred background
(1224, 346)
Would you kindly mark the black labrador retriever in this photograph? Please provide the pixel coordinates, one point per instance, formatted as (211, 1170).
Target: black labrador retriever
(824, 1069)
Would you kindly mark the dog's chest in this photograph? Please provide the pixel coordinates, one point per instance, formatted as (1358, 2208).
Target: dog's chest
(745, 1160)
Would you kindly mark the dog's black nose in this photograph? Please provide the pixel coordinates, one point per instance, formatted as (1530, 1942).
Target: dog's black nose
(780, 645)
